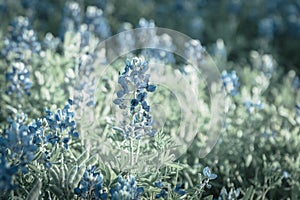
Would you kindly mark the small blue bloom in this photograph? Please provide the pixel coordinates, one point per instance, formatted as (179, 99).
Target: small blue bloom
(163, 193)
(252, 106)
(150, 88)
(158, 184)
(230, 82)
(18, 80)
(178, 190)
(297, 107)
(126, 189)
(286, 175)
(91, 185)
(134, 102)
(207, 173)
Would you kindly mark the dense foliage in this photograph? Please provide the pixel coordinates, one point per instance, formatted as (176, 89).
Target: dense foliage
(68, 133)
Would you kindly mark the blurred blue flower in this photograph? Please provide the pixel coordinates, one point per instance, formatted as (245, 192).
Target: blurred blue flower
(230, 82)
(18, 142)
(18, 80)
(286, 175)
(6, 174)
(126, 189)
(252, 106)
(71, 18)
(266, 28)
(296, 83)
(96, 22)
(21, 41)
(297, 107)
(232, 194)
(207, 174)
(91, 185)
(20, 45)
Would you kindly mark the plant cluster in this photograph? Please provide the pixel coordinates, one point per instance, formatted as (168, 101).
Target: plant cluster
(66, 133)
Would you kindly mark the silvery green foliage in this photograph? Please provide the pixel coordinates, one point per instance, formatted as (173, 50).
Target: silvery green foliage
(258, 153)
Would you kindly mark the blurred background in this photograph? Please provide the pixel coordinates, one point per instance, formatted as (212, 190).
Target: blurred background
(267, 26)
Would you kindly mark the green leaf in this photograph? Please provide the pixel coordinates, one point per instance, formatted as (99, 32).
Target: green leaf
(91, 161)
(54, 176)
(82, 158)
(35, 191)
(210, 197)
(248, 193)
(55, 189)
(78, 176)
(72, 174)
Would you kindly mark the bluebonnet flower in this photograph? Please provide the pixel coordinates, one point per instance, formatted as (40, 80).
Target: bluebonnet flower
(71, 18)
(163, 193)
(96, 22)
(296, 83)
(19, 140)
(178, 189)
(18, 80)
(21, 41)
(231, 195)
(60, 129)
(62, 120)
(134, 76)
(126, 41)
(194, 51)
(266, 28)
(196, 27)
(91, 185)
(126, 189)
(268, 65)
(87, 34)
(297, 107)
(266, 134)
(207, 173)
(252, 106)
(219, 50)
(208, 176)
(50, 42)
(6, 174)
(156, 41)
(19, 46)
(230, 82)
(158, 184)
(234, 7)
(286, 175)
(46, 159)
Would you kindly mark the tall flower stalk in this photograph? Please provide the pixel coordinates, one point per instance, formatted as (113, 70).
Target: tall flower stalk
(136, 122)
